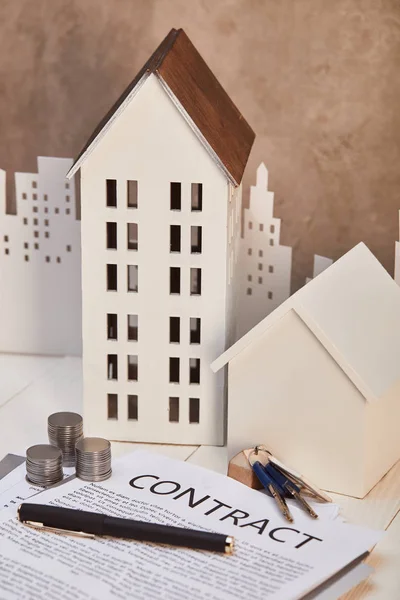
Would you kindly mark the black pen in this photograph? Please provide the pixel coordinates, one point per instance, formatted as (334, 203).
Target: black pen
(87, 524)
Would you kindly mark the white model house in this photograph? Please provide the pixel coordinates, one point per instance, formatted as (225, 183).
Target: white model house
(161, 198)
(265, 265)
(40, 257)
(318, 380)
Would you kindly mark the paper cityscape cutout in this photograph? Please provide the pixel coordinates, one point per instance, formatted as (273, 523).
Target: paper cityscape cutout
(40, 262)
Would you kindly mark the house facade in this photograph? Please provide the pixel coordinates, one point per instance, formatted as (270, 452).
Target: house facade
(160, 228)
(321, 378)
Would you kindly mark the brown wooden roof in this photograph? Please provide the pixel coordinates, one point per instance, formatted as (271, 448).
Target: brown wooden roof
(183, 71)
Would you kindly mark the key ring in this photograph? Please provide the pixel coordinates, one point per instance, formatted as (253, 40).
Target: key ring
(254, 455)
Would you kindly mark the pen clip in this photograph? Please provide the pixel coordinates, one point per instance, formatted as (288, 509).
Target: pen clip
(43, 527)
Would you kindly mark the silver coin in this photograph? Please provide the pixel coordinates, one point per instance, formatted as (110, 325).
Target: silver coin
(65, 419)
(93, 444)
(43, 452)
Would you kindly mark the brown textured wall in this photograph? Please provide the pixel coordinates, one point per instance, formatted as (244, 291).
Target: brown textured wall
(317, 79)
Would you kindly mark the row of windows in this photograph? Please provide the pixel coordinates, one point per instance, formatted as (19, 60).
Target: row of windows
(133, 408)
(34, 185)
(260, 254)
(196, 203)
(196, 240)
(174, 328)
(174, 279)
(45, 198)
(133, 368)
(133, 243)
(261, 227)
(194, 410)
(35, 247)
(270, 295)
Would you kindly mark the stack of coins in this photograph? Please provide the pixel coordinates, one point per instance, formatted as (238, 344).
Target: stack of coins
(44, 465)
(64, 430)
(93, 459)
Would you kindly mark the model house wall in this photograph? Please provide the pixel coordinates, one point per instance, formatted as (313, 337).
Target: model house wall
(40, 284)
(265, 265)
(321, 377)
(143, 388)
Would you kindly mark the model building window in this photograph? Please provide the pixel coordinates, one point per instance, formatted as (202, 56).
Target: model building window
(133, 328)
(174, 409)
(133, 283)
(249, 278)
(195, 326)
(195, 239)
(260, 253)
(112, 236)
(111, 192)
(174, 369)
(270, 295)
(132, 367)
(112, 406)
(270, 269)
(112, 326)
(174, 330)
(112, 366)
(132, 235)
(132, 194)
(194, 370)
(175, 238)
(195, 282)
(175, 195)
(132, 407)
(174, 280)
(194, 410)
(271, 242)
(261, 227)
(197, 197)
(272, 228)
(112, 278)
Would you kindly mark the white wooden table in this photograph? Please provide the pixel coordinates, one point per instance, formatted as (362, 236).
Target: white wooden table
(32, 387)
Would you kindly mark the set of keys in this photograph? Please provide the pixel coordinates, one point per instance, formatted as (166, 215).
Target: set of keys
(282, 482)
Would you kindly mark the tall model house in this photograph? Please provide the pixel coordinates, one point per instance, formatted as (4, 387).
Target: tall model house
(161, 199)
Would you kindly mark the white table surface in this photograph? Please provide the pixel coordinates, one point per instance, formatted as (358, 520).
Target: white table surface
(33, 387)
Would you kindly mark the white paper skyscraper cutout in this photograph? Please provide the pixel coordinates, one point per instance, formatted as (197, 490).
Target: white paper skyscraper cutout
(264, 264)
(397, 259)
(40, 287)
(320, 264)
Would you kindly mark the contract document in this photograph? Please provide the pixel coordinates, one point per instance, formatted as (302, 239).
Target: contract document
(272, 558)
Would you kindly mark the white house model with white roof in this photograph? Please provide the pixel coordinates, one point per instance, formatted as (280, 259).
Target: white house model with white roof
(161, 198)
(318, 380)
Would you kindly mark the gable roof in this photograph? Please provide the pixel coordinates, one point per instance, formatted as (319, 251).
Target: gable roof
(201, 99)
(353, 309)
